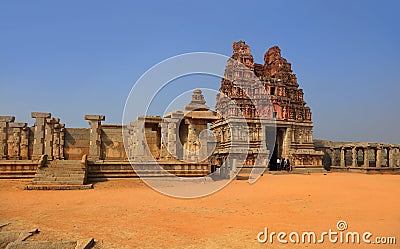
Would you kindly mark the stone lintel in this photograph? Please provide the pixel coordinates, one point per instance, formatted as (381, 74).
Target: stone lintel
(41, 115)
(17, 125)
(7, 119)
(95, 117)
(53, 120)
(177, 114)
(149, 119)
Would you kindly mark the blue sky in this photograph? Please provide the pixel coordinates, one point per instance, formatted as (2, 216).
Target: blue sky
(73, 58)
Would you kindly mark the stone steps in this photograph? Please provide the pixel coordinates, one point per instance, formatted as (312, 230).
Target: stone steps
(57, 182)
(60, 175)
(58, 187)
(65, 172)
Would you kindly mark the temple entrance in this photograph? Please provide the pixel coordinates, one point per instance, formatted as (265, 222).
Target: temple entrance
(279, 150)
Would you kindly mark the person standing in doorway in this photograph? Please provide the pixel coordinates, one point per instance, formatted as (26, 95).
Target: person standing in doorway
(283, 161)
(278, 164)
(289, 168)
(284, 164)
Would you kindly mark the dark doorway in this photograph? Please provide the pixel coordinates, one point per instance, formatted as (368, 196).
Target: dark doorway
(277, 152)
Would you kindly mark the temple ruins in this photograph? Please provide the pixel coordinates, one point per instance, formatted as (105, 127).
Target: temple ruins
(193, 142)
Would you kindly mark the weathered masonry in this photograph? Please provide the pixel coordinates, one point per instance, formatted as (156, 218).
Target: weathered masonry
(292, 117)
(193, 142)
(360, 157)
(99, 151)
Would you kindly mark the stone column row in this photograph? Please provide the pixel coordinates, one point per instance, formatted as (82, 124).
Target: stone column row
(48, 136)
(14, 139)
(4, 124)
(392, 155)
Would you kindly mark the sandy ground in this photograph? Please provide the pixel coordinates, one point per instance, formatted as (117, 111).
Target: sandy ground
(125, 213)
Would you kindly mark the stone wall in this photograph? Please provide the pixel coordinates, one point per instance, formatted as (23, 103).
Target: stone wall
(22, 146)
(77, 141)
(112, 146)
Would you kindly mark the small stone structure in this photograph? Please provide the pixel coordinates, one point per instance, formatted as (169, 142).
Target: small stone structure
(176, 141)
(360, 156)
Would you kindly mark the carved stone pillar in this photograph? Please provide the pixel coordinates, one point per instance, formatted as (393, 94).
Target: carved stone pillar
(62, 140)
(25, 142)
(14, 140)
(342, 157)
(331, 154)
(354, 156)
(172, 139)
(4, 121)
(57, 141)
(391, 157)
(129, 140)
(140, 147)
(95, 136)
(193, 150)
(49, 136)
(263, 139)
(136, 139)
(203, 144)
(3, 140)
(378, 157)
(286, 142)
(366, 157)
(174, 147)
(164, 139)
(39, 134)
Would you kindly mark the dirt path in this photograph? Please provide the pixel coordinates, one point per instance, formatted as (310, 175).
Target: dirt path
(125, 213)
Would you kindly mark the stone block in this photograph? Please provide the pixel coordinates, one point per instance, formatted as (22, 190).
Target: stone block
(17, 125)
(95, 117)
(7, 119)
(40, 115)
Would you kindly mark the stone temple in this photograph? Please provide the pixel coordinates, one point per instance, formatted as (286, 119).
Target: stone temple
(57, 157)
(293, 118)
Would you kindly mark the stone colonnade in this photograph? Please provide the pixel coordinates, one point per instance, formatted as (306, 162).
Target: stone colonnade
(373, 155)
(47, 136)
(14, 139)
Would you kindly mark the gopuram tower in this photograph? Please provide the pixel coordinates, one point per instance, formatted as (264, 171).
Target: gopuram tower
(277, 97)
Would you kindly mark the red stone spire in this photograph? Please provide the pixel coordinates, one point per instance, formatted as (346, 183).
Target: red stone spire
(278, 80)
(275, 66)
(241, 52)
